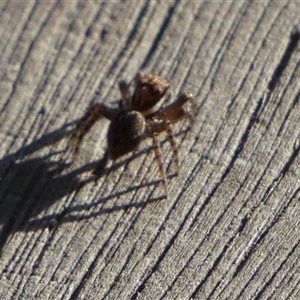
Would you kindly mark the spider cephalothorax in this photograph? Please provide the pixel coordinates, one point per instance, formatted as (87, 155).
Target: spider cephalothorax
(135, 119)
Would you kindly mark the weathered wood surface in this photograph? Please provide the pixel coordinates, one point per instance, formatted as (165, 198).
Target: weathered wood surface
(230, 227)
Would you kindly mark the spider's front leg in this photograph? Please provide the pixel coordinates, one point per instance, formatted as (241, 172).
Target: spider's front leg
(94, 113)
(183, 107)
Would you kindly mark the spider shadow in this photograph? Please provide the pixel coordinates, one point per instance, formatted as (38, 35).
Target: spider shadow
(65, 216)
(23, 178)
(87, 211)
(29, 186)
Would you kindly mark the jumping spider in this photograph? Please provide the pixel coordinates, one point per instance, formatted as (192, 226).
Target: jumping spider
(135, 119)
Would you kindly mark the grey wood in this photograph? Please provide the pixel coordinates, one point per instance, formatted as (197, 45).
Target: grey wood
(230, 226)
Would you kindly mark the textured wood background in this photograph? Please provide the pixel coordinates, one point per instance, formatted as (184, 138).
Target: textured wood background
(230, 226)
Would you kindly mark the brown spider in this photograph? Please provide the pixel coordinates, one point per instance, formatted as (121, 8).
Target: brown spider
(135, 119)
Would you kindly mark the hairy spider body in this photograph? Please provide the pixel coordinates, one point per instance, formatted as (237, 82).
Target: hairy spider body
(135, 119)
(149, 89)
(125, 133)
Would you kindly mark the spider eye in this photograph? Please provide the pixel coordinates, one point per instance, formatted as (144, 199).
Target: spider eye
(143, 84)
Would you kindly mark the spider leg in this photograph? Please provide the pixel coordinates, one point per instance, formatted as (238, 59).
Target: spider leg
(94, 113)
(167, 126)
(152, 131)
(159, 160)
(174, 145)
(124, 89)
(176, 110)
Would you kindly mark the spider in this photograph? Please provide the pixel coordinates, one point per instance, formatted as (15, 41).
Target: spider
(136, 119)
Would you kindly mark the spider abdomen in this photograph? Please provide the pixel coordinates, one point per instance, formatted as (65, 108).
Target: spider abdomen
(125, 133)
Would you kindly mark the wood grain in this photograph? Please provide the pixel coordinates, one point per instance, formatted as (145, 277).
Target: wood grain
(230, 226)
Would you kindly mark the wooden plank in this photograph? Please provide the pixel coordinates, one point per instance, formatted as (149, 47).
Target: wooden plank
(230, 226)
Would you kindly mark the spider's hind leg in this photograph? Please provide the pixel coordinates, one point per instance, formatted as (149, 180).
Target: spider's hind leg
(159, 160)
(174, 145)
(153, 130)
(94, 113)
